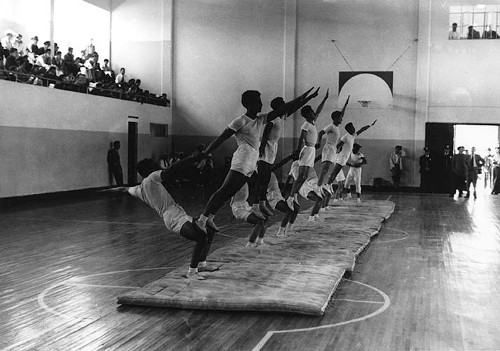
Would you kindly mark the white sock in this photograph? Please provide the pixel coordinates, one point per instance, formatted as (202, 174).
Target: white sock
(311, 218)
(288, 227)
(203, 219)
(192, 270)
(202, 264)
(260, 241)
(281, 230)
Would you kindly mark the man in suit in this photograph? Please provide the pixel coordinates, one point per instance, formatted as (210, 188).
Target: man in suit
(474, 164)
(425, 163)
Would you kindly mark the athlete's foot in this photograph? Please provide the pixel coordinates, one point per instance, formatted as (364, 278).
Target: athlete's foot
(208, 268)
(325, 189)
(202, 225)
(211, 223)
(194, 276)
(256, 212)
(281, 233)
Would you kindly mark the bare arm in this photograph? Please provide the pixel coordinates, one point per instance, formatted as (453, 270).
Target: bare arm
(322, 104)
(286, 107)
(365, 128)
(226, 134)
(301, 102)
(301, 140)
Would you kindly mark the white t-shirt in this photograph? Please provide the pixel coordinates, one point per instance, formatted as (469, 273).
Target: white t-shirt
(248, 131)
(156, 196)
(332, 134)
(311, 135)
(348, 142)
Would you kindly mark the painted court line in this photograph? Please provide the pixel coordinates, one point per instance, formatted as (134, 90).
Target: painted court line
(73, 282)
(386, 304)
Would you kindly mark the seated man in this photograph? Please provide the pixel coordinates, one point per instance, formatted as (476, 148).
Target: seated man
(153, 191)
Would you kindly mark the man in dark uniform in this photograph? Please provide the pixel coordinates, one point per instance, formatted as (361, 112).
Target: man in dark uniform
(459, 168)
(425, 162)
(114, 165)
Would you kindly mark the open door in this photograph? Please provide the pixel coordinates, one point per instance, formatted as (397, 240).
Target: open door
(132, 153)
(437, 137)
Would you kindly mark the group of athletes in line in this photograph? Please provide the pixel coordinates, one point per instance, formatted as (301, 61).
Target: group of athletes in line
(250, 183)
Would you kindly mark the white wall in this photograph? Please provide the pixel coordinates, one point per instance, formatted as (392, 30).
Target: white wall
(223, 48)
(54, 140)
(141, 42)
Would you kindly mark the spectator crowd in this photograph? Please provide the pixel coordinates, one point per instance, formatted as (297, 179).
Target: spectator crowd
(40, 65)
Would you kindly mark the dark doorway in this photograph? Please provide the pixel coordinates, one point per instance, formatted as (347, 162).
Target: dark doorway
(132, 152)
(438, 136)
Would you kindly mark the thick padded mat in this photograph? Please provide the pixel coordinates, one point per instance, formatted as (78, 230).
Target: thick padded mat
(296, 274)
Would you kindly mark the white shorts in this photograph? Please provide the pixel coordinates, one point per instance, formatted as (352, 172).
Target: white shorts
(241, 211)
(342, 158)
(354, 176)
(175, 218)
(340, 177)
(329, 153)
(273, 192)
(245, 160)
(270, 153)
(307, 155)
(308, 186)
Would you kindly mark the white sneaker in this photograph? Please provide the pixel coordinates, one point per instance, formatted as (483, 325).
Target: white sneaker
(257, 212)
(202, 225)
(281, 233)
(349, 196)
(325, 189)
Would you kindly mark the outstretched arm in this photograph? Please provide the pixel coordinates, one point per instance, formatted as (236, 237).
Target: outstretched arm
(320, 107)
(345, 105)
(118, 189)
(304, 99)
(365, 128)
(286, 107)
(265, 136)
(226, 134)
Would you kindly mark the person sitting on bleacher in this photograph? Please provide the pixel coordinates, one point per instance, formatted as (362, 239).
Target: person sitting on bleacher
(120, 78)
(11, 63)
(44, 62)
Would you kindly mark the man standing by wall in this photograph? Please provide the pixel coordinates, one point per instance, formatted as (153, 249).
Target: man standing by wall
(425, 163)
(474, 165)
(396, 164)
(114, 165)
(459, 169)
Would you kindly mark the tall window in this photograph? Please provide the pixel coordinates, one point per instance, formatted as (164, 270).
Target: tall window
(474, 22)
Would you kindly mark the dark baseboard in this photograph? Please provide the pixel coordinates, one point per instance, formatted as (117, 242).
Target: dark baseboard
(17, 203)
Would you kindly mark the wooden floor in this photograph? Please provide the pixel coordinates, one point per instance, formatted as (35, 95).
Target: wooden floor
(429, 281)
